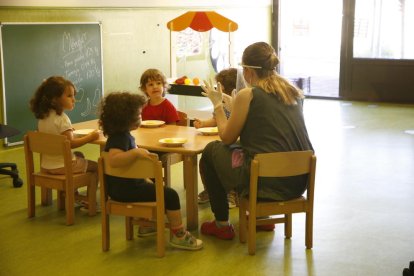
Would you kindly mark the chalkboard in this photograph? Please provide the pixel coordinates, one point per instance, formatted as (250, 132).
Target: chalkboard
(32, 52)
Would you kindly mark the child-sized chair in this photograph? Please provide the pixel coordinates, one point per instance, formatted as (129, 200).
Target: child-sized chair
(278, 164)
(67, 184)
(149, 213)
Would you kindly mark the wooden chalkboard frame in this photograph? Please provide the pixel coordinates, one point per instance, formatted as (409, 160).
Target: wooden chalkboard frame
(33, 51)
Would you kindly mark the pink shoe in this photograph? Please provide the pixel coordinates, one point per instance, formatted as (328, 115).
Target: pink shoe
(224, 233)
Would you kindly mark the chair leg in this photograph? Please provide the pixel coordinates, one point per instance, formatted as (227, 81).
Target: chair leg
(31, 200)
(309, 230)
(288, 226)
(60, 200)
(129, 229)
(91, 193)
(105, 230)
(46, 196)
(160, 237)
(70, 207)
(242, 222)
(251, 237)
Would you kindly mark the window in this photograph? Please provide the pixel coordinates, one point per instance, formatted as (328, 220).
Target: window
(384, 29)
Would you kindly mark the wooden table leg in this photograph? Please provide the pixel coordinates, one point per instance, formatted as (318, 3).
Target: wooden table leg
(190, 170)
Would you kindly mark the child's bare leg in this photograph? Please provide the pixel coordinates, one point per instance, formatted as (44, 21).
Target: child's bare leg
(174, 217)
(181, 238)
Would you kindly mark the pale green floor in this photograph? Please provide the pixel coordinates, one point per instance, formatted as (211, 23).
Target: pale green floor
(363, 222)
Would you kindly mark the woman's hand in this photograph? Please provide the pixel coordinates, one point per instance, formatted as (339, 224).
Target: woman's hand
(215, 96)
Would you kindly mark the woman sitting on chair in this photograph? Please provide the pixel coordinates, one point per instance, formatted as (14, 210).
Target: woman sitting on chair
(268, 118)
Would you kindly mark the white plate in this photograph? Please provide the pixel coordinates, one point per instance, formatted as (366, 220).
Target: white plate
(208, 130)
(152, 123)
(173, 142)
(82, 132)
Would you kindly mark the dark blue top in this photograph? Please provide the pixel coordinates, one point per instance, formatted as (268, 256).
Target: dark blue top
(118, 186)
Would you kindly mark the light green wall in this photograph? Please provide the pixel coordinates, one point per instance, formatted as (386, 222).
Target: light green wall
(135, 39)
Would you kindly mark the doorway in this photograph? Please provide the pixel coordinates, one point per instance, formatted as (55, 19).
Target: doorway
(310, 44)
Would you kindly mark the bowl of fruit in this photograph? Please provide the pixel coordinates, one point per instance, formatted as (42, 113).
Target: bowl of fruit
(186, 86)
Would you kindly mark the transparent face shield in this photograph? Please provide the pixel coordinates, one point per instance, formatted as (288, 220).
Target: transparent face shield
(240, 82)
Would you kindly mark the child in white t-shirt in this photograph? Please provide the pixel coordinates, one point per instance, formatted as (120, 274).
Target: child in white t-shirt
(55, 95)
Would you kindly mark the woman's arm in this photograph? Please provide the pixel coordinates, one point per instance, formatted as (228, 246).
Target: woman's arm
(119, 158)
(229, 130)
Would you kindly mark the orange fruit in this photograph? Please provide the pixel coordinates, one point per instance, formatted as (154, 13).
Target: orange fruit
(196, 81)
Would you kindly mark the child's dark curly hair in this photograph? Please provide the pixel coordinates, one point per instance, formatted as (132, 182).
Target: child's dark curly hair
(153, 75)
(46, 94)
(228, 79)
(119, 111)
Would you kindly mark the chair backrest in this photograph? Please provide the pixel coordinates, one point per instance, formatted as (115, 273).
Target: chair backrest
(283, 164)
(45, 143)
(140, 168)
(65, 184)
(183, 118)
(278, 164)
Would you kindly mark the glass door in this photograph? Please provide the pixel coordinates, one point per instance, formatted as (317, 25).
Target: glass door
(379, 55)
(310, 43)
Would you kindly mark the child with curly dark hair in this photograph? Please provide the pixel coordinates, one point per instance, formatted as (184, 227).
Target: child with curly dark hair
(120, 112)
(55, 95)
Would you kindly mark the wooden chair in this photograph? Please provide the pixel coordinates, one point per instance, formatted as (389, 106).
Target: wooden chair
(153, 212)
(279, 164)
(66, 185)
(169, 159)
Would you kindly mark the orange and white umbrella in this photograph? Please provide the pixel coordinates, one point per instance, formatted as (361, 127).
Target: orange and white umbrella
(202, 21)
(199, 21)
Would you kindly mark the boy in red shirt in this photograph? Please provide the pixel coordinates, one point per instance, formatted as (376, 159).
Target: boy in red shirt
(153, 83)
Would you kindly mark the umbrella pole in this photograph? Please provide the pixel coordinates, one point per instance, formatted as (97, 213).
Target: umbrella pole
(230, 48)
(171, 55)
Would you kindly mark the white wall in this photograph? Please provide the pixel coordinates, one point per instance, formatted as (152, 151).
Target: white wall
(133, 3)
(135, 39)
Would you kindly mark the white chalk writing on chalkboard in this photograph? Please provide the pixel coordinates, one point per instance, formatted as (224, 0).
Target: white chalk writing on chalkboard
(32, 52)
(79, 60)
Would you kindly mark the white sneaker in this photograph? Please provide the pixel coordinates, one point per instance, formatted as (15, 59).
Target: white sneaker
(145, 231)
(232, 199)
(203, 197)
(187, 242)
